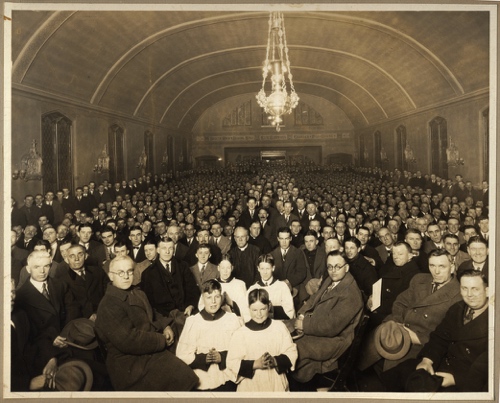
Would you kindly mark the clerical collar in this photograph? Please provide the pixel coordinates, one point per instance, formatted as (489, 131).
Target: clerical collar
(243, 249)
(215, 316)
(227, 280)
(252, 325)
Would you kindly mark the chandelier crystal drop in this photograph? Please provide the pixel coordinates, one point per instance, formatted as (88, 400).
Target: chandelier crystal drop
(277, 65)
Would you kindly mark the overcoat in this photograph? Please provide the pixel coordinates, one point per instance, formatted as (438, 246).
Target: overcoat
(137, 358)
(329, 325)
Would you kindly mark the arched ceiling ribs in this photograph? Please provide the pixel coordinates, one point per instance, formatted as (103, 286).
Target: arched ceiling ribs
(31, 49)
(191, 60)
(132, 52)
(425, 52)
(258, 67)
(255, 82)
(207, 55)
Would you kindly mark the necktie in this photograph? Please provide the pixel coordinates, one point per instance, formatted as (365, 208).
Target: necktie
(45, 292)
(469, 315)
(82, 274)
(203, 268)
(168, 268)
(284, 255)
(434, 287)
(216, 241)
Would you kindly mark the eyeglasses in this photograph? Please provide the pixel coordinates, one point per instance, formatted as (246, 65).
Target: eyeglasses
(121, 274)
(336, 267)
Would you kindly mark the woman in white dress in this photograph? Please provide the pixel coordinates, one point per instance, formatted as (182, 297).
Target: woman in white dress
(261, 352)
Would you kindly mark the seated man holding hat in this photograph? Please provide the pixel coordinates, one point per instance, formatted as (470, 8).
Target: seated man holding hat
(415, 314)
(455, 359)
(136, 339)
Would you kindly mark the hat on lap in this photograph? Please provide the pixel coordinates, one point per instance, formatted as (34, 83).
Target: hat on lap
(392, 341)
(80, 333)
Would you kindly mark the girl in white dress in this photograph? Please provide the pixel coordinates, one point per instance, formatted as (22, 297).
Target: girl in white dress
(261, 352)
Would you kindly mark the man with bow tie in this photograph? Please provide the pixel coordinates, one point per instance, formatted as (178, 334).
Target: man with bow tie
(137, 248)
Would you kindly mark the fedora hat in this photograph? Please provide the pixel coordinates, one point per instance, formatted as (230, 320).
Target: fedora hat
(422, 381)
(80, 333)
(71, 376)
(392, 341)
(74, 376)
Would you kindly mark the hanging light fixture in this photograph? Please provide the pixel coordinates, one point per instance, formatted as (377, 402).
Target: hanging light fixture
(277, 64)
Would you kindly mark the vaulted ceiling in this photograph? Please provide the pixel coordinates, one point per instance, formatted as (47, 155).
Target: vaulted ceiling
(168, 67)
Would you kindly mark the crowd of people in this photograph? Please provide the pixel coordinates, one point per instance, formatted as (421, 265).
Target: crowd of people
(254, 277)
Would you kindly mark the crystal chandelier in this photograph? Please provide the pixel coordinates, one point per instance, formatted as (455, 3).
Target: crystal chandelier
(277, 64)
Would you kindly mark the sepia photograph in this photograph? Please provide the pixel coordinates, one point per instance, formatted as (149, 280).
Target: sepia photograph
(252, 201)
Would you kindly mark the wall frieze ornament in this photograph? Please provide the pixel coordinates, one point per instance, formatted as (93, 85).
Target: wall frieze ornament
(273, 137)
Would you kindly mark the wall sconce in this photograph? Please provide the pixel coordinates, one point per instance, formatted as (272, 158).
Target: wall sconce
(409, 158)
(143, 159)
(164, 160)
(31, 165)
(383, 155)
(453, 155)
(102, 165)
(365, 154)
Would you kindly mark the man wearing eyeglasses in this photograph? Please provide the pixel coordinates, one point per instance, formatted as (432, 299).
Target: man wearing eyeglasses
(137, 337)
(327, 320)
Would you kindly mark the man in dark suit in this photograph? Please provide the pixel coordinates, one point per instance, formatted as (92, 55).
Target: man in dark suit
(362, 271)
(297, 235)
(55, 206)
(16, 215)
(28, 212)
(268, 230)
(41, 209)
(249, 215)
(87, 283)
(95, 250)
(244, 257)
(102, 195)
(315, 255)
(455, 359)
(48, 304)
(18, 257)
(68, 202)
(396, 275)
(202, 238)
(29, 239)
(170, 286)
(285, 219)
(478, 250)
(180, 250)
(341, 233)
(256, 238)
(136, 248)
(290, 264)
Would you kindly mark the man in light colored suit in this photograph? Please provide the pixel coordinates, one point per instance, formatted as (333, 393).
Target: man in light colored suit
(417, 310)
(203, 270)
(218, 239)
